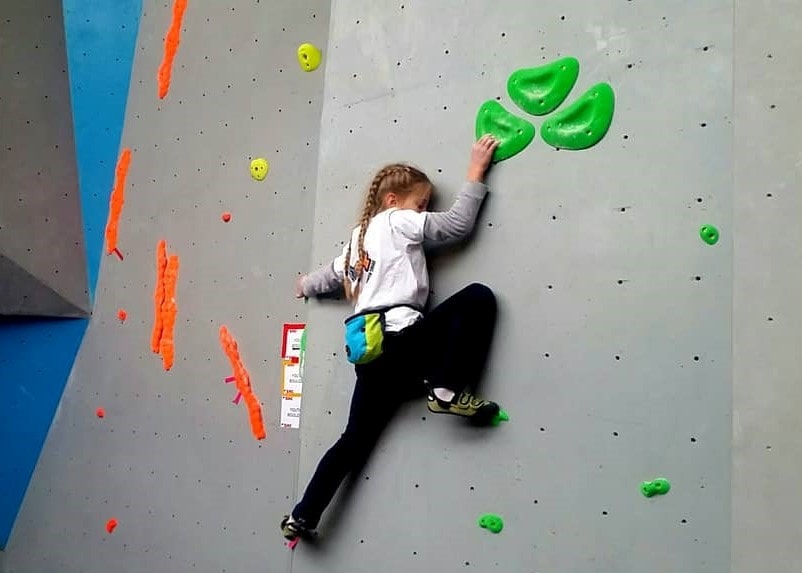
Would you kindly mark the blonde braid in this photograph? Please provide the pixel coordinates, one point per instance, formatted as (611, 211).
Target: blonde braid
(394, 177)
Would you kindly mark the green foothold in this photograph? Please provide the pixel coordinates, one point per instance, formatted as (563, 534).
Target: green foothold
(302, 356)
(659, 486)
(502, 416)
(512, 132)
(583, 123)
(709, 234)
(491, 522)
(541, 90)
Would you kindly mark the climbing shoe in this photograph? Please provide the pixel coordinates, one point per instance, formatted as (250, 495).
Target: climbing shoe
(292, 528)
(467, 405)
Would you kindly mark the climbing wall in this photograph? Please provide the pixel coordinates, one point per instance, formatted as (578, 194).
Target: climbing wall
(613, 346)
(613, 354)
(172, 460)
(767, 315)
(42, 258)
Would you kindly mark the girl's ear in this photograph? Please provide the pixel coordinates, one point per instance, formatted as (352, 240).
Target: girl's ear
(390, 200)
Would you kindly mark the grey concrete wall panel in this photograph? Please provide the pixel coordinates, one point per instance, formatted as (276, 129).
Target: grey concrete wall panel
(612, 358)
(40, 212)
(767, 315)
(174, 460)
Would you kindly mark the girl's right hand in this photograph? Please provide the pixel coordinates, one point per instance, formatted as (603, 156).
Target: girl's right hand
(299, 288)
(481, 156)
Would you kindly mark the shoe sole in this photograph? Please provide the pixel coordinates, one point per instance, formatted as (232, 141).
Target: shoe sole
(487, 411)
(290, 534)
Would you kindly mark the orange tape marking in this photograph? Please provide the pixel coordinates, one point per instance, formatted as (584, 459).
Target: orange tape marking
(169, 311)
(158, 298)
(171, 41)
(116, 202)
(243, 384)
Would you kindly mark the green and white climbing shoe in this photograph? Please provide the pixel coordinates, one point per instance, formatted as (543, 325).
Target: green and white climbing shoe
(465, 405)
(292, 528)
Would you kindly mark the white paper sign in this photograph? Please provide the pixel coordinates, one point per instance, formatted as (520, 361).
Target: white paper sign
(294, 343)
(292, 378)
(291, 412)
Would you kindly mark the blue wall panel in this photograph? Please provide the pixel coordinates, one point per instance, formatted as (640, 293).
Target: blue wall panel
(101, 38)
(36, 355)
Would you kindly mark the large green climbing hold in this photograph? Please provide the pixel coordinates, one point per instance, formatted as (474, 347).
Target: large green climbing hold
(583, 123)
(541, 90)
(659, 486)
(491, 522)
(512, 132)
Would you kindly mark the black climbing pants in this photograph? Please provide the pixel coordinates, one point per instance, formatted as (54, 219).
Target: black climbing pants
(448, 348)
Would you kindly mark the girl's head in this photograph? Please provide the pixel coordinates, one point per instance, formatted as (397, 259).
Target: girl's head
(397, 186)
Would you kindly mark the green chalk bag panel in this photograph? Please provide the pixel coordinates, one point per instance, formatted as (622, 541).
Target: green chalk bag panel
(364, 337)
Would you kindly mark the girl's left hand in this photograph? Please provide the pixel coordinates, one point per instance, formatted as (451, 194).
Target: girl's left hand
(299, 289)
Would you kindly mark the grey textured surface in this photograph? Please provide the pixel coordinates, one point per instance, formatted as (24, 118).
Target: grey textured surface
(43, 268)
(767, 315)
(174, 460)
(611, 357)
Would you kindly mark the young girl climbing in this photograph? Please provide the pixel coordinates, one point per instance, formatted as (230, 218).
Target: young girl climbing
(400, 350)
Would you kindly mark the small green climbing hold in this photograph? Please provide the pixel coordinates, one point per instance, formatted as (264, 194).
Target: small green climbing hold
(491, 522)
(513, 133)
(542, 89)
(502, 416)
(659, 486)
(709, 234)
(583, 123)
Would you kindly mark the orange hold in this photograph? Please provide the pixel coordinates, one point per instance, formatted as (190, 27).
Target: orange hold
(161, 266)
(100, 413)
(111, 525)
(122, 315)
(169, 312)
(116, 202)
(226, 217)
(165, 307)
(243, 381)
(171, 41)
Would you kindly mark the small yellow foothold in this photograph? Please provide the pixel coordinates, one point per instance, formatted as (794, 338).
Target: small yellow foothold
(259, 168)
(309, 57)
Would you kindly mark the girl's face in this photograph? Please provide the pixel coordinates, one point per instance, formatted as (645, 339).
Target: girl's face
(417, 199)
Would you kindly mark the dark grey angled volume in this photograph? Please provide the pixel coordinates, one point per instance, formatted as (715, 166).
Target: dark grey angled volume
(23, 294)
(41, 232)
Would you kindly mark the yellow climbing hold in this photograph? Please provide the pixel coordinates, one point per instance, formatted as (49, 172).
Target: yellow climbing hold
(309, 57)
(259, 168)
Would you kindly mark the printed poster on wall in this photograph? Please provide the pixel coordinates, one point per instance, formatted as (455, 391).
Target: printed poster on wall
(293, 347)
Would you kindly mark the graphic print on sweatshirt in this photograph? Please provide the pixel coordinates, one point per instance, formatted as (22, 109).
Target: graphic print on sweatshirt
(368, 265)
